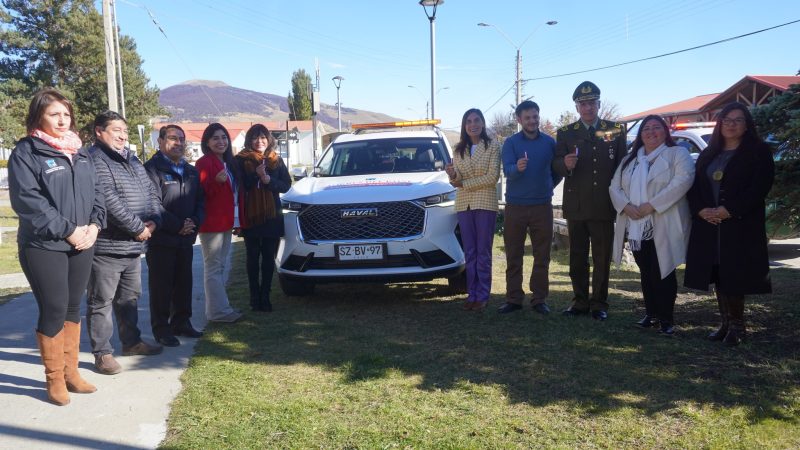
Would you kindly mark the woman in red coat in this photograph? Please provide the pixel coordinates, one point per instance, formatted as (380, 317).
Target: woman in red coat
(219, 178)
(728, 242)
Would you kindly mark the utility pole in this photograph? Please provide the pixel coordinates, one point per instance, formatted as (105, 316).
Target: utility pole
(315, 107)
(118, 58)
(519, 79)
(111, 66)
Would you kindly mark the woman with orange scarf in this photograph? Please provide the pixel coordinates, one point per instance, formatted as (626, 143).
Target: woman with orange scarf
(264, 177)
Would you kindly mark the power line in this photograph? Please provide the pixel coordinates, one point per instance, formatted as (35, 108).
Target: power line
(155, 22)
(664, 54)
(501, 97)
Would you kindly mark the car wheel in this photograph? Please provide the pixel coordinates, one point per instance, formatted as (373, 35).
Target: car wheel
(458, 284)
(295, 288)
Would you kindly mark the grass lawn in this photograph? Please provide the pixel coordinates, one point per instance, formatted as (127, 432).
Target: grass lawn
(9, 254)
(402, 366)
(8, 218)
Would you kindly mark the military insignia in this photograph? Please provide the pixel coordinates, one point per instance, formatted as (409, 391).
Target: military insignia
(602, 124)
(611, 154)
(608, 136)
(577, 126)
(717, 175)
(586, 89)
(51, 163)
(564, 128)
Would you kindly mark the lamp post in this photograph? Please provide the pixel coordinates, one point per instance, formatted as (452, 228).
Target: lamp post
(427, 104)
(432, 19)
(337, 81)
(519, 57)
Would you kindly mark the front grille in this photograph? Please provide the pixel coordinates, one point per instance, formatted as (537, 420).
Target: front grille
(434, 258)
(393, 220)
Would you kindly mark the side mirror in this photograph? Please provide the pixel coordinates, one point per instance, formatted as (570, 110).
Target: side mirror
(299, 173)
(438, 164)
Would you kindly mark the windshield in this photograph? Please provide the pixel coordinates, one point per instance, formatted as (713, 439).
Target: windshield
(401, 155)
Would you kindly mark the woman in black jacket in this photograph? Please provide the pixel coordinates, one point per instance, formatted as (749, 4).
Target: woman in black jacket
(54, 191)
(728, 242)
(264, 176)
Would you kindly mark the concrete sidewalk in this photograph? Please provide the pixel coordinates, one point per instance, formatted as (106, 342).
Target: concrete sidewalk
(128, 411)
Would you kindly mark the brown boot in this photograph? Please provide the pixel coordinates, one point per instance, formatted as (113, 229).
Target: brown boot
(736, 330)
(720, 333)
(72, 342)
(52, 350)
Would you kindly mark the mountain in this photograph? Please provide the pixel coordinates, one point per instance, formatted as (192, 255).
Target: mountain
(194, 101)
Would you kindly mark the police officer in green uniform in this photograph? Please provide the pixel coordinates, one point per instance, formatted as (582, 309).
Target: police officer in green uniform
(587, 154)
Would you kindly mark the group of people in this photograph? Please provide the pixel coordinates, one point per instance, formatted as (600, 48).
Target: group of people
(670, 210)
(88, 213)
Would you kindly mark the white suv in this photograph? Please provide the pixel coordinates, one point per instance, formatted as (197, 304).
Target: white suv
(693, 136)
(377, 207)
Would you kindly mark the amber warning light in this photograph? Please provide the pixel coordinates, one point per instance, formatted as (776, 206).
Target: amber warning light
(408, 123)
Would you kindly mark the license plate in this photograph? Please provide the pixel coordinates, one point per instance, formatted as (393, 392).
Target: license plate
(358, 252)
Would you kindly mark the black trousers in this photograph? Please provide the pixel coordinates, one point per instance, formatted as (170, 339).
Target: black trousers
(170, 283)
(261, 253)
(600, 234)
(659, 294)
(58, 281)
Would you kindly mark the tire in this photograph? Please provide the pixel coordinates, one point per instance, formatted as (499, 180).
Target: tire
(295, 288)
(458, 284)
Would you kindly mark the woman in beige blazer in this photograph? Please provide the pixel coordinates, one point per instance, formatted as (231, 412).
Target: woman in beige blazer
(474, 172)
(649, 193)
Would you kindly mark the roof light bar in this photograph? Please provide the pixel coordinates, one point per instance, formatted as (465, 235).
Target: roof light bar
(407, 123)
(685, 125)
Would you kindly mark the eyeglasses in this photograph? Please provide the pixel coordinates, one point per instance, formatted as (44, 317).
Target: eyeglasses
(175, 139)
(731, 122)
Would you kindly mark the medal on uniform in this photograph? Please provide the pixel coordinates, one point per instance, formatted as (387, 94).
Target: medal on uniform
(717, 175)
(610, 153)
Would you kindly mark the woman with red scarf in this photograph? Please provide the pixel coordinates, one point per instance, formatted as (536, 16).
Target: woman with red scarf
(54, 191)
(264, 177)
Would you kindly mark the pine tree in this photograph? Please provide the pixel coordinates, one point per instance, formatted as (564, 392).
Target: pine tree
(59, 43)
(300, 97)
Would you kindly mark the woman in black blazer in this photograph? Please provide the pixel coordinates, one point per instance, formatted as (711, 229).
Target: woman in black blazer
(728, 242)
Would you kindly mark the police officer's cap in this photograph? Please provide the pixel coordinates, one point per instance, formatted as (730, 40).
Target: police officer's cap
(586, 91)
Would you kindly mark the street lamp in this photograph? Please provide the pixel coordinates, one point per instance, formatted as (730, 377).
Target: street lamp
(427, 104)
(518, 48)
(432, 18)
(337, 81)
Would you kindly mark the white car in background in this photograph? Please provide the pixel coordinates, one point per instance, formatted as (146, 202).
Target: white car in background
(377, 207)
(693, 136)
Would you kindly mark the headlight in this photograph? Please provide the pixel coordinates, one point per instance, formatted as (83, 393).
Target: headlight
(446, 199)
(291, 206)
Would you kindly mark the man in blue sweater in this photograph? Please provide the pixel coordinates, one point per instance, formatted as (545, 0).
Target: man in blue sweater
(527, 159)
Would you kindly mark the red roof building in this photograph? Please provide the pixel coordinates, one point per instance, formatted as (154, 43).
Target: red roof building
(752, 90)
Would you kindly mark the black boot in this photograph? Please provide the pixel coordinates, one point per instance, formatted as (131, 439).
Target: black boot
(722, 303)
(736, 330)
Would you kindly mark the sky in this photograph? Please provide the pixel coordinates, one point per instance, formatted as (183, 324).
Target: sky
(382, 47)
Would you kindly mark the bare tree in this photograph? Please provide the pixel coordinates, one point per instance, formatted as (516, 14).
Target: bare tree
(547, 127)
(502, 126)
(566, 118)
(609, 110)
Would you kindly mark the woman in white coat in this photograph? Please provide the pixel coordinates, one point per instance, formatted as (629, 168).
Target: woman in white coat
(649, 193)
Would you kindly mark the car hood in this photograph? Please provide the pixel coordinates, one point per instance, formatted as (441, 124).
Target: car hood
(368, 188)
